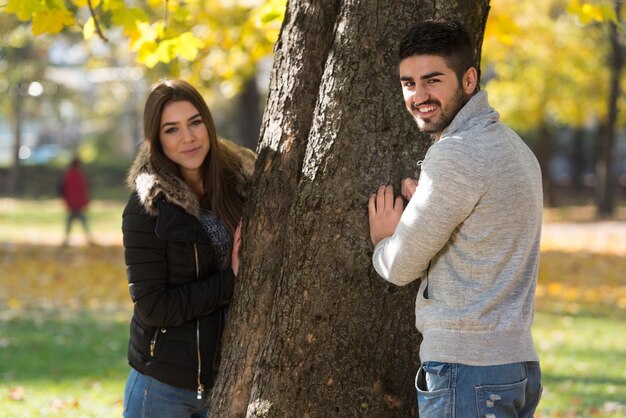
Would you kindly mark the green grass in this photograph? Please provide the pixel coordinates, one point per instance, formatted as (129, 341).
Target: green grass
(69, 358)
(583, 364)
(36, 220)
(62, 367)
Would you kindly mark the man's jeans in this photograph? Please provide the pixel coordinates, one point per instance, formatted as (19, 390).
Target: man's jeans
(449, 390)
(145, 397)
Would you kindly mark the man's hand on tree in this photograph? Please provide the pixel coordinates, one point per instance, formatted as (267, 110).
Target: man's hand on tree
(384, 213)
(408, 187)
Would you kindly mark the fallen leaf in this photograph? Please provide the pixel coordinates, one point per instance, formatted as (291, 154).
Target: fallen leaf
(17, 393)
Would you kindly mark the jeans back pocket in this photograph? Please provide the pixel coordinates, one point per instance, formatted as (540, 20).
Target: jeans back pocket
(501, 400)
(435, 393)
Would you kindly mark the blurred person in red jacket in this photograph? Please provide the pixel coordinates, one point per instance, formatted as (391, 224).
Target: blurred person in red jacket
(75, 193)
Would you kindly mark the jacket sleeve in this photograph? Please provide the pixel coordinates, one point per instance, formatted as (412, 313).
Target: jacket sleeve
(449, 188)
(156, 302)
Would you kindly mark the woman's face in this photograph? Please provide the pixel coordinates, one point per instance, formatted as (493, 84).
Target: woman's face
(184, 137)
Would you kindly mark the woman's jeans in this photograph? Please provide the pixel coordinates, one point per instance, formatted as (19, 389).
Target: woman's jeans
(145, 397)
(450, 390)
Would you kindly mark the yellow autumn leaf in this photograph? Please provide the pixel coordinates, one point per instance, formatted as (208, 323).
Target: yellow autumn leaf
(146, 34)
(129, 18)
(188, 46)
(608, 13)
(112, 5)
(555, 288)
(588, 13)
(17, 393)
(146, 54)
(14, 303)
(173, 6)
(502, 28)
(180, 15)
(272, 12)
(159, 28)
(24, 9)
(52, 21)
(89, 28)
(80, 3)
(166, 50)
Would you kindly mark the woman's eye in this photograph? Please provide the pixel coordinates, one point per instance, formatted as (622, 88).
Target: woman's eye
(170, 130)
(196, 122)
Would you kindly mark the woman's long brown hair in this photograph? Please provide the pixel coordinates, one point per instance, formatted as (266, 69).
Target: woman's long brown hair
(219, 167)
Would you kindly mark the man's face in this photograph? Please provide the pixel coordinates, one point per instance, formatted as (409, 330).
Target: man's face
(432, 93)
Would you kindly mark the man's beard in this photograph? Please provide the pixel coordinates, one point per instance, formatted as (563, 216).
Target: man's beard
(436, 126)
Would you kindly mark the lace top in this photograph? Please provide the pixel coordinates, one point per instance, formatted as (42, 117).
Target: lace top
(218, 234)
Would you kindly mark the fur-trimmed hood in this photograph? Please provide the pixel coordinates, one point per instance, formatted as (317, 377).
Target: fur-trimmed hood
(150, 182)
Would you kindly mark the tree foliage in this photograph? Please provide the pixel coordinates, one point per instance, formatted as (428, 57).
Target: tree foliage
(199, 40)
(555, 63)
(547, 61)
(592, 11)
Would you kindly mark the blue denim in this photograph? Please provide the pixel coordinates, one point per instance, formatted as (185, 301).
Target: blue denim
(450, 390)
(145, 397)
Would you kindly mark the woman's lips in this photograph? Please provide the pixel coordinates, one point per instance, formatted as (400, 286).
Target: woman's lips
(191, 151)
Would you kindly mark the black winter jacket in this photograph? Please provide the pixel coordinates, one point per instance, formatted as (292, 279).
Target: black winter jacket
(177, 288)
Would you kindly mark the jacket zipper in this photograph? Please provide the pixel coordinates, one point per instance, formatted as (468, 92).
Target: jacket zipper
(153, 342)
(200, 385)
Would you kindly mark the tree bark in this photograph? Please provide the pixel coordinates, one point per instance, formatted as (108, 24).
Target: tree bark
(313, 331)
(604, 165)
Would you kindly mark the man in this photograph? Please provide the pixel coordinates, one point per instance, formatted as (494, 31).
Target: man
(470, 232)
(75, 194)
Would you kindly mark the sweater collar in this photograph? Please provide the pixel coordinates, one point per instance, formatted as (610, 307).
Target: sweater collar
(476, 111)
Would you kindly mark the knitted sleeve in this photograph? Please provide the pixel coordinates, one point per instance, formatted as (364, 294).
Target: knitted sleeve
(450, 185)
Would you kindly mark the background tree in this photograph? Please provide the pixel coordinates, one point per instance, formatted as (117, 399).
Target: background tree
(22, 63)
(610, 15)
(605, 192)
(546, 65)
(313, 330)
(215, 45)
(524, 42)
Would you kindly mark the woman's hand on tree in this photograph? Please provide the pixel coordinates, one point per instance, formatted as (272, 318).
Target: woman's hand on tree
(234, 263)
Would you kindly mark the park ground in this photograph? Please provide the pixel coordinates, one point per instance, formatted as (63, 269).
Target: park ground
(64, 313)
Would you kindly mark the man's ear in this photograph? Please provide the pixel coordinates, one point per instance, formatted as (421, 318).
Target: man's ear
(470, 80)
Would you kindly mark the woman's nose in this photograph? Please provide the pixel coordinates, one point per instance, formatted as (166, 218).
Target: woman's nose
(188, 135)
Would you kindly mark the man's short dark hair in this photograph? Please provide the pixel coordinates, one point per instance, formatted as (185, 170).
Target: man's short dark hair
(445, 38)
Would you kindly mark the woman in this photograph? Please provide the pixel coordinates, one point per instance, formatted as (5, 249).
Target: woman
(181, 245)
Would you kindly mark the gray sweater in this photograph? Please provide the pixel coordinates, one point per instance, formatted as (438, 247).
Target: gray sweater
(471, 232)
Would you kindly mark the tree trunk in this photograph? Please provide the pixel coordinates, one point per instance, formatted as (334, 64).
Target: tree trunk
(17, 99)
(604, 164)
(313, 331)
(544, 154)
(578, 160)
(249, 114)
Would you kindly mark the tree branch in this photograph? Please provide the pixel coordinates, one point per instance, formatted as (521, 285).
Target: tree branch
(95, 21)
(165, 15)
